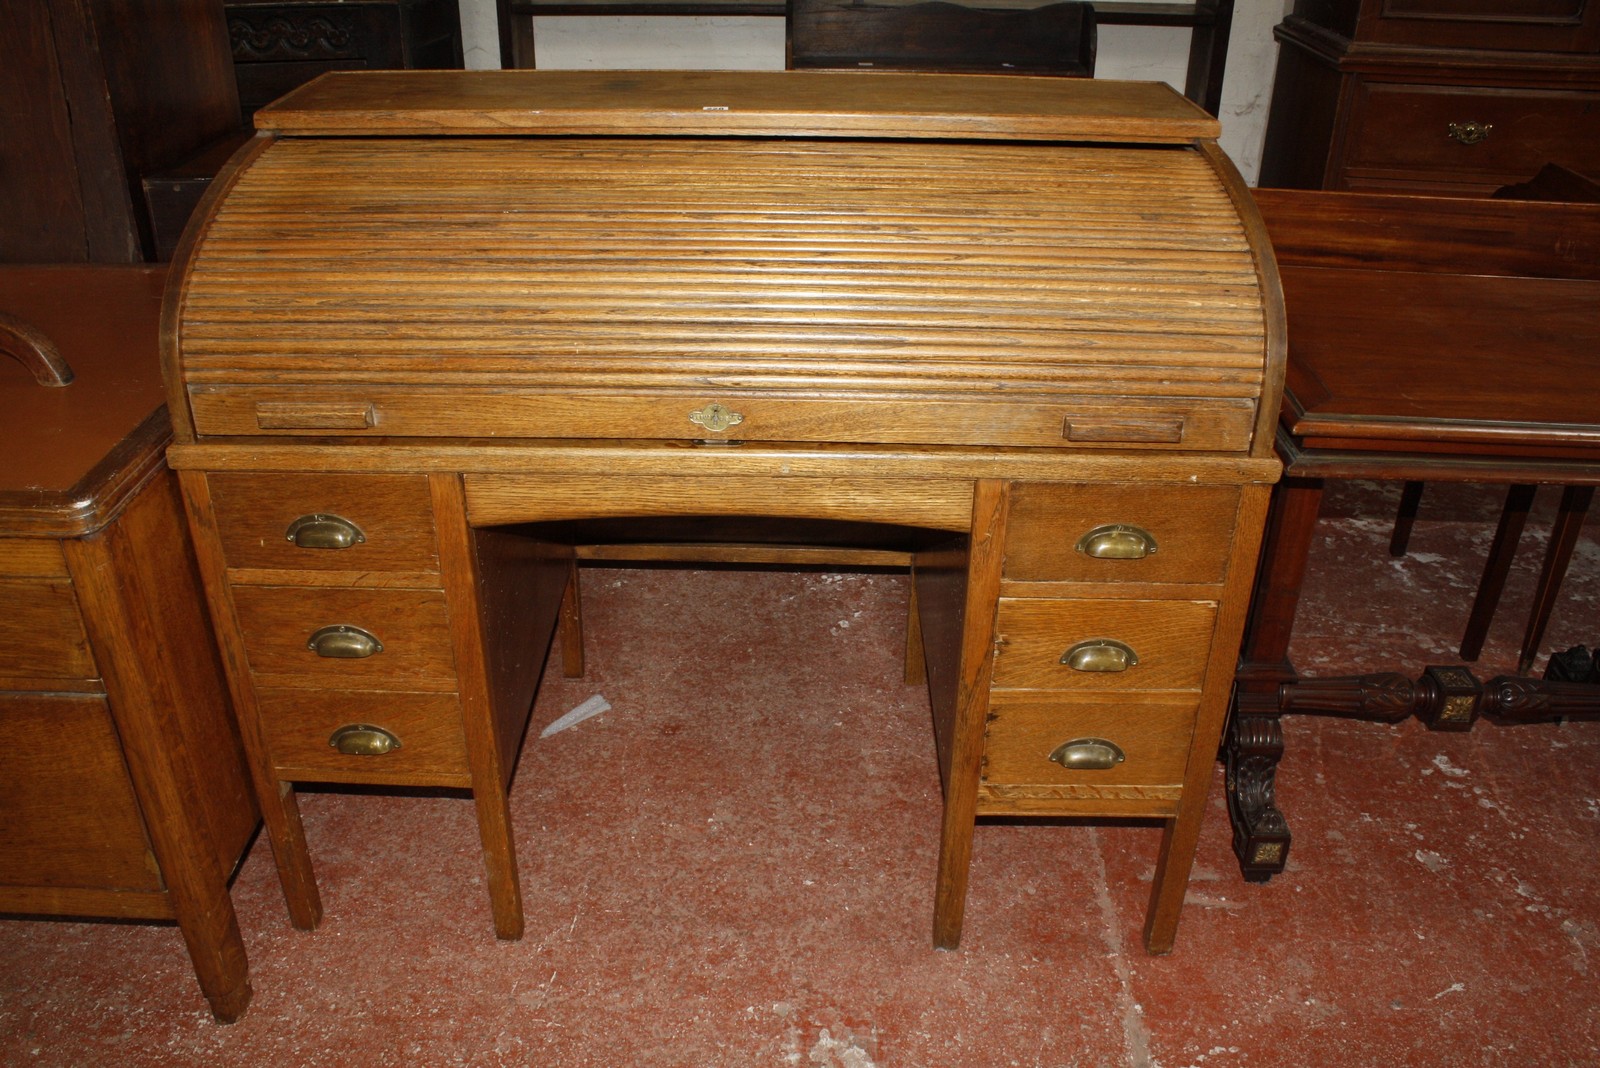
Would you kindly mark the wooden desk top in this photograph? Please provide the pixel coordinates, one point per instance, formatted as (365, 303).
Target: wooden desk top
(737, 103)
(74, 451)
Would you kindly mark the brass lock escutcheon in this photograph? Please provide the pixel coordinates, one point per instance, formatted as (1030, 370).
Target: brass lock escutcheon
(363, 739)
(1468, 133)
(344, 642)
(1100, 654)
(320, 531)
(716, 417)
(1117, 541)
(1088, 754)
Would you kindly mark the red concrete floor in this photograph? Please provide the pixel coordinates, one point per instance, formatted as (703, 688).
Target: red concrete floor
(734, 866)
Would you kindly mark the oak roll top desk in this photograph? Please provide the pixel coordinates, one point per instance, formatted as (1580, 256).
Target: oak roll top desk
(1026, 331)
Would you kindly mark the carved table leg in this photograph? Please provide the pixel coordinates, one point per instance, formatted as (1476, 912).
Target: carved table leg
(1260, 832)
(1254, 742)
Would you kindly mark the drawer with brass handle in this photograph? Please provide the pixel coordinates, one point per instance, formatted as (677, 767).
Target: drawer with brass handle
(381, 637)
(370, 736)
(1119, 533)
(1487, 135)
(1097, 740)
(1101, 644)
(325, 522)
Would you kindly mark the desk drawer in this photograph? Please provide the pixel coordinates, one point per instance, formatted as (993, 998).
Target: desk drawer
(41, 633)
(1185, 532)
(1152, 735)
(1100, 644)
(1405, 129)
(389, 638)
(429, 747)
(387, 521)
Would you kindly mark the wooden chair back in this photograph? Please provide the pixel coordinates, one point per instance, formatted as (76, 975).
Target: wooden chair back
(1057, 39)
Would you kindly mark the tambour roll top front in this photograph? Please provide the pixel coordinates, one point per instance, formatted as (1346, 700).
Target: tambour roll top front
(798, 256)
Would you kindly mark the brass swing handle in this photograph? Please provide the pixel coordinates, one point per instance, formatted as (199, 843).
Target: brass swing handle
(31, 348)
(1468, 133)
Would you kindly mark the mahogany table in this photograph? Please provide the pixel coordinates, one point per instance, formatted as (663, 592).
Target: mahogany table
(1436, 339)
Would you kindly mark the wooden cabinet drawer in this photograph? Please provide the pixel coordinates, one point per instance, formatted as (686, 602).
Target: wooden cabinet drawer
(1405, 130)
(1151, 733)
(409, 627)
(41, 633)
(1164, 644)
(431, 747)
(68, 814)
(1188, 531)
(393, 514)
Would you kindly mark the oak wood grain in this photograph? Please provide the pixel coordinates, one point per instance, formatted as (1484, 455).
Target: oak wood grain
(1190, 525)
(729, 103)
(1154, 733)
(1170, 638)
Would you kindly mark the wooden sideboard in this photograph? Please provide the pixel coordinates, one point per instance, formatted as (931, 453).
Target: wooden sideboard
(1021, 334)
(123, 789)
(1454, 97)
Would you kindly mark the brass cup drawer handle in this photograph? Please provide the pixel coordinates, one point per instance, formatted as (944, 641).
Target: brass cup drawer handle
(1088, 754)
(321, 531)
(1117, 541)
(363, 739)
(1468, 133)
(1100, 654)
(343, 642)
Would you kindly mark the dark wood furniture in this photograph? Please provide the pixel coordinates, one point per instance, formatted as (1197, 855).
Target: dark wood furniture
(1433, 96)
(1557, 183)
(407, 388)
(1209, 23)
(1430, 338)
(1056, 39)
(281, 44)
(98, 94)
(123, 789)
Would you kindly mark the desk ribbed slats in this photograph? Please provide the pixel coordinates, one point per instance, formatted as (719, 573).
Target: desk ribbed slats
(640, 264)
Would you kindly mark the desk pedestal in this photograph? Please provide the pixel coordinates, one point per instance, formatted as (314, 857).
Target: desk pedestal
(388, 627)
